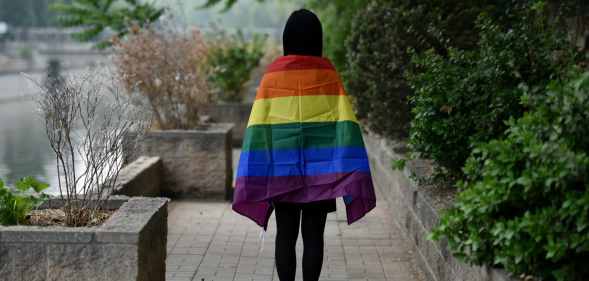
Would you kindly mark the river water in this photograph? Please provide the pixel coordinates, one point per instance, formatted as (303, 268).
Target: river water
(24, 148)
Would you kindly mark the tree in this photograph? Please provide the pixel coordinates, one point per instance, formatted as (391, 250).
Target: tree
(98, 16)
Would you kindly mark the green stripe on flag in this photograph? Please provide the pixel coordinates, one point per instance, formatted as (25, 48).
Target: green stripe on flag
(303, 135)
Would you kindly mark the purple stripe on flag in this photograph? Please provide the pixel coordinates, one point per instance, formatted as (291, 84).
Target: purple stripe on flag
(254, 201)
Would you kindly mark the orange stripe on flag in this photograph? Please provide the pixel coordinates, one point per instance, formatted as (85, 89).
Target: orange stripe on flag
(300, 83)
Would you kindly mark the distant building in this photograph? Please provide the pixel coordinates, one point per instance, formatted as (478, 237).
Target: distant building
(3, 28)
(42, 34)
(3, 36)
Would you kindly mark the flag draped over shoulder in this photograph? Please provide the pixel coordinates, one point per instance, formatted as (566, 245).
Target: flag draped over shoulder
(302, 143)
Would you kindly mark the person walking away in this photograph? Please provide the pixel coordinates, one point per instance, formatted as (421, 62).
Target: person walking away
(302, 149)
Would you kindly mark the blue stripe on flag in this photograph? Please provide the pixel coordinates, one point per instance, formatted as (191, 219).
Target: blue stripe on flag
(309, 162)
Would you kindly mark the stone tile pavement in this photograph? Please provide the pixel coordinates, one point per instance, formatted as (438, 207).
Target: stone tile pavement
(207, 241)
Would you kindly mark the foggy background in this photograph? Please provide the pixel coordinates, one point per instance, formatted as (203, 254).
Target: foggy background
(30, 39)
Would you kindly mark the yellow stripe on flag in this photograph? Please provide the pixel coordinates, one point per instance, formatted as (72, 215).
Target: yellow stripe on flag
(321, 108)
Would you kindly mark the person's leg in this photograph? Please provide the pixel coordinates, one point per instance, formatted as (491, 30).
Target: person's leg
(313, 227)
(288, 217)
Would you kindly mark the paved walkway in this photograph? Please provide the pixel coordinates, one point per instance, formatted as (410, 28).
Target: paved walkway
(208, 241)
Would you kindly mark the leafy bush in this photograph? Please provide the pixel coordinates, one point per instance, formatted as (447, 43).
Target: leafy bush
(336, 17)
(525, 199)
(231, 59)
(378, 53)
(465, 97)
(375, 58)
(340, 18)
(17, 202)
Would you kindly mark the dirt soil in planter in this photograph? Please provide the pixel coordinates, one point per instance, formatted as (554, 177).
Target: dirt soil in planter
(56, 217)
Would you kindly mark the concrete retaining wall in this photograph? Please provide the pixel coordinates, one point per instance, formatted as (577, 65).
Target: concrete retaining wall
(130, 246)
(196, 163)
(236, 113)
(416, 208)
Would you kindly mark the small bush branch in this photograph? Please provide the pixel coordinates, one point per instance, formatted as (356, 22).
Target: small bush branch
(88, 121)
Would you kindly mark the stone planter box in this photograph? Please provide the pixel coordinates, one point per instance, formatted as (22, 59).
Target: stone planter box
(196, 163)
(129, 246)
(142, 177)
(416, 208)
(236, 113)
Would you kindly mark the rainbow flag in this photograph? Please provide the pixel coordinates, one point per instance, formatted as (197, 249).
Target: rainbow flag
(303, 143)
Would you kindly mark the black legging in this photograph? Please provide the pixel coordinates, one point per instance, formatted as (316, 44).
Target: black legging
(288, 217)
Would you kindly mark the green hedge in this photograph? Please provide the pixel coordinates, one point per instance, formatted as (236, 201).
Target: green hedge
(375, 60)
(465, 97)
(525, 199)
(476, 65)
(378, 53)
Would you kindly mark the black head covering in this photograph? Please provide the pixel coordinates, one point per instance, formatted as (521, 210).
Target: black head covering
(303, 34)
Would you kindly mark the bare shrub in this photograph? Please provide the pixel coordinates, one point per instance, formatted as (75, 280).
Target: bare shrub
(88, 120)
(166, 67)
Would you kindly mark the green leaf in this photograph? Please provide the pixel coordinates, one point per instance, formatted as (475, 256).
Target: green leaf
(96, 16)
(16, 203)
